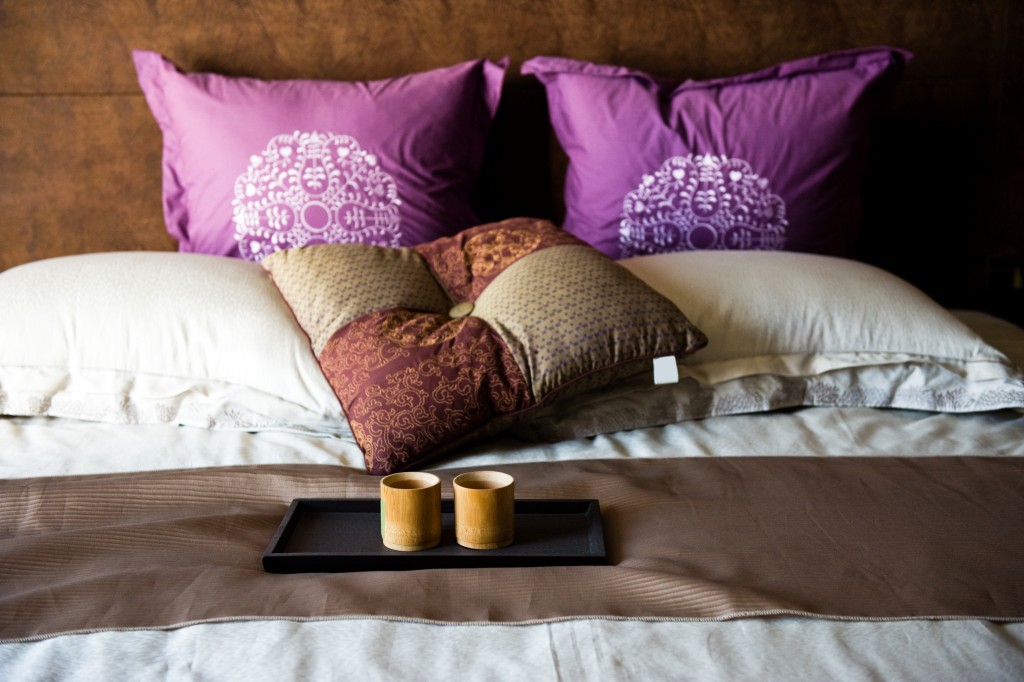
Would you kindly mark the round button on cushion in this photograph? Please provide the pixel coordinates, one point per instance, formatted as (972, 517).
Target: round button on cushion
(461, 309)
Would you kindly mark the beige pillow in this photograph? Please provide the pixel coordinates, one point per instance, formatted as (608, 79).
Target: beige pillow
(788, 330)
(142, 338)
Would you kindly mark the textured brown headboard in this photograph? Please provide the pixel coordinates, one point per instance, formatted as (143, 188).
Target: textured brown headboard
(80, 153)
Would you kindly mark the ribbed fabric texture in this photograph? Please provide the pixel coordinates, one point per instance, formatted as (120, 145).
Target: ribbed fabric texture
(859, 538)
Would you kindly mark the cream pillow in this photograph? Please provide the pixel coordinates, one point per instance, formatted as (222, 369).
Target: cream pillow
(153, 337)
(791, 329)
(798, 314)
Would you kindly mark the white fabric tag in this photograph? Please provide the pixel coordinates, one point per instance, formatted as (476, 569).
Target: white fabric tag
(665, 370)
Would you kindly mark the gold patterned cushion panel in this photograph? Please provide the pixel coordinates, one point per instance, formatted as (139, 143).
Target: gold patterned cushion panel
(586, 316)
(431, 346)
(329, 287)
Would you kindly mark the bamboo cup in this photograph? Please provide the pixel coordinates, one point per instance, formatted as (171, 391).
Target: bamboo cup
(484, 509)
(410, 511)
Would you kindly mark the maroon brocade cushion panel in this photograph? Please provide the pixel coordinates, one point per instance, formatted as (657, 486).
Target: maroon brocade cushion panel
(411, 382)
(429, 347)
(467, 262)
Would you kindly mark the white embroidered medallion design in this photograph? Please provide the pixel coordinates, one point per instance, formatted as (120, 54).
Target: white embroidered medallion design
(702, 201)
(312, 188)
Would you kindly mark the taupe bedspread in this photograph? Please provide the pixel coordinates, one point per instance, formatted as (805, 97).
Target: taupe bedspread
(858, 538)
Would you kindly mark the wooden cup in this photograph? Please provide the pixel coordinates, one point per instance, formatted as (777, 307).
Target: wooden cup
(484, 509)
(410, 511)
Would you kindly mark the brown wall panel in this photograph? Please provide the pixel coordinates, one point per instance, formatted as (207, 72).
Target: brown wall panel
(59, 46)
(79, 174)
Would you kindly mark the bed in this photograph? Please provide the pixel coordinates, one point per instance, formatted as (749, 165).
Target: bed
(670, 260)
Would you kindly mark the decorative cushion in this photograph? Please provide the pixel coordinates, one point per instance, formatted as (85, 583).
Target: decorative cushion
(429, 347)
(253, 166)
(154, 338)
(767, 160)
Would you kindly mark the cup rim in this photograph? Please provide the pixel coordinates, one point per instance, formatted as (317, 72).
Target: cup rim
(499, 478)
(427, 480)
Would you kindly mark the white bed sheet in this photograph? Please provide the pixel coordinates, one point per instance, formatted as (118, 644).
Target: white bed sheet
(590, 649)
(41, 446)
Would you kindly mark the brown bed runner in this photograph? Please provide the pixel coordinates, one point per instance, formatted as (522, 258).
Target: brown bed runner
(859, 538)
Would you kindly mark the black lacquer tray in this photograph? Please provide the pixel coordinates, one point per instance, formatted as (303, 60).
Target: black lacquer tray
(336, 535)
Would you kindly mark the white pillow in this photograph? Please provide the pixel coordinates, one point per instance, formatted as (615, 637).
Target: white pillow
(154, 337)
(791, 329)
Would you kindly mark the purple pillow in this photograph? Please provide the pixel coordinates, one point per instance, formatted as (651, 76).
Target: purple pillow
(768, 160)
(252, 166)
